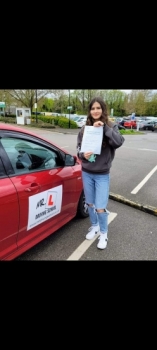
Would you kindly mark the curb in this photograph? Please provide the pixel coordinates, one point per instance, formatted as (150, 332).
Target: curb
(62, 131)
(57, 130)
(146, 208)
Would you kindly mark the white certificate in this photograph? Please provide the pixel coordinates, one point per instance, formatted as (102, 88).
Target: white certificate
(92, 139)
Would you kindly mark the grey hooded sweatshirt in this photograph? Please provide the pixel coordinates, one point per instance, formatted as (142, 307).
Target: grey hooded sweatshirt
(112, 139)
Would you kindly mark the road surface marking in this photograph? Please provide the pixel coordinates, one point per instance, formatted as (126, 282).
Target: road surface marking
(141, 149)
(137, 188)
(147, 149)
(76, 255)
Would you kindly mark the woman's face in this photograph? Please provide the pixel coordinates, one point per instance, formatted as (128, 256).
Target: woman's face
(96, 111)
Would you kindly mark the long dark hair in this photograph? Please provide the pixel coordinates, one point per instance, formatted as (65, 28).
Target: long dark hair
(104, 117)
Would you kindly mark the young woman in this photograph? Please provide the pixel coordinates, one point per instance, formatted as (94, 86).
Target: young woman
(96, 170)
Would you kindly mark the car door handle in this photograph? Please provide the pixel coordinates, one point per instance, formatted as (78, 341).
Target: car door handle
(34, 187)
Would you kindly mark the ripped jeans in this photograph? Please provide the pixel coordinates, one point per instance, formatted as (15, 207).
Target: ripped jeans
(96, 190)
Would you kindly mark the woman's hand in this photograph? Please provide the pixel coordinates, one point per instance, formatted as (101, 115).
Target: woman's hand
(99, 123)
(87, 155)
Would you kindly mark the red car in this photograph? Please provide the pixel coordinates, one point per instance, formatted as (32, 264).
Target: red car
(130, 123)
(40, 190)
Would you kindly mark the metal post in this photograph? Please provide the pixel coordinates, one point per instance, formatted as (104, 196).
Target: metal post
(69, 109)
(36, 106)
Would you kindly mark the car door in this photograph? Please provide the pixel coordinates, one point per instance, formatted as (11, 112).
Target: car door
(154, 126)
(9, 213)
(46, 188)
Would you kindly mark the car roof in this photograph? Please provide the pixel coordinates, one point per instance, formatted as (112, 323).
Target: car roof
(9, 127)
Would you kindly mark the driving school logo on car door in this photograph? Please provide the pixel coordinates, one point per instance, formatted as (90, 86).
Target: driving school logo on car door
(43, 206)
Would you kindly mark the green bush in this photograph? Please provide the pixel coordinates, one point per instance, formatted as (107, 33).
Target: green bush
(130, 132)
(60, 121)
(64, 123)
(11, 120)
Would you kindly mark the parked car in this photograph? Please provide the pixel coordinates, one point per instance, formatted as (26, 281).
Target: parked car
(147, 125)
(119, 120)
(41, 190)
(123, 120)
(154, 127)
(142, 123)
(130, 124)
(81, 121)
(38, 113)
(76, 119)
(121, 127)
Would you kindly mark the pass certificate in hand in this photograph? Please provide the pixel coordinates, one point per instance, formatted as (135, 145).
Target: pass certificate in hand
(92, 139)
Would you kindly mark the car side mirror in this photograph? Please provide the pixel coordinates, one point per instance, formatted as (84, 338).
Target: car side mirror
(70, 160)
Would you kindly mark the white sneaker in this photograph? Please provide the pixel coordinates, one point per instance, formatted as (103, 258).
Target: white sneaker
(102, 241)
(93, 231)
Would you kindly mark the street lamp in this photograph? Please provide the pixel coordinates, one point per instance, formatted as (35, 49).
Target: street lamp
(69, 109)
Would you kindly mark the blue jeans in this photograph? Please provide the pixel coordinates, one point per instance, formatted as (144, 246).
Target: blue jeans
(96, 190)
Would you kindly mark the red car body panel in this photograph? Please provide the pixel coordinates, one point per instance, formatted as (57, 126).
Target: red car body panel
(9, 217)
(21, 195)
(130, 123)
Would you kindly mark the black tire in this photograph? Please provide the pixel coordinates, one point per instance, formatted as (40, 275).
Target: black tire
(82, 209)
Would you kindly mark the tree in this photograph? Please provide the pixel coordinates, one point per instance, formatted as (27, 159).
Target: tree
(115, 100)
(137, 101)
(5, 97)
(47, 104)
(151, 108)
(83, 98)
(27, 98)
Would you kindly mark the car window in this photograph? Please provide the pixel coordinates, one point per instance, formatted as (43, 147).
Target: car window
(26, 156)
(2, 171)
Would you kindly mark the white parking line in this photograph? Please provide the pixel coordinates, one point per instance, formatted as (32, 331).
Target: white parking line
(76, 255)
(147, 149)
(141, 149)
(138, 187)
